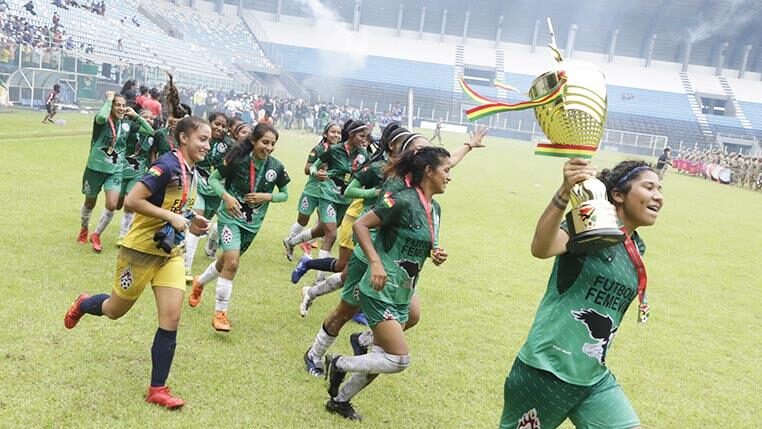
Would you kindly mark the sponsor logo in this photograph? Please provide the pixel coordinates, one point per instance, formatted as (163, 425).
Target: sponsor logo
(125, 279)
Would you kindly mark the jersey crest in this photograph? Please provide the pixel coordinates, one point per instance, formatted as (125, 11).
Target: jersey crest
(600, 327)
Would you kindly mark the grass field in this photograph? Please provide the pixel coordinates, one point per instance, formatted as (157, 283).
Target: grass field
(694, 365)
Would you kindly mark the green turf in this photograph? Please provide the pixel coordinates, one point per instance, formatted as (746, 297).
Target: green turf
(695, 363)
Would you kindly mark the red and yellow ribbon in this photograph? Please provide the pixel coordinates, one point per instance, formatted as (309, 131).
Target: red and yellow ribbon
(491, 107)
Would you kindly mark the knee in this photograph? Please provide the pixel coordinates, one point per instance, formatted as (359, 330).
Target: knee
(335, 322)
(329, 235)
(111, 205)
(170, 320)
(231, 265)
(397, 363)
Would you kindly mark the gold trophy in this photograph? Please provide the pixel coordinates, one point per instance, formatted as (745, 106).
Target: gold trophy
(570, 106)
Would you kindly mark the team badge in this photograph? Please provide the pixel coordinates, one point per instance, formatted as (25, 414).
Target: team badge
(601, 328)
(227, 235)
(125, 279)
(125, 127)
(331, 211)
(529, 420)
(305, 204)
(271, 175)
(86, 187)
(150, 141)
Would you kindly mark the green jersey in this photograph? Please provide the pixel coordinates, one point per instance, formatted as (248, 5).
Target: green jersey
(163, 141)
(214, 158)
(404, 240)
(585, 301)
(267, 174)
(342, 162)
(372, 177)
(137, 154)
(390, 186)
(312, 187)
(109, 142)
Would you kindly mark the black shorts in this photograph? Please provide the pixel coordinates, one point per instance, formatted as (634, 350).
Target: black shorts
(51, 108)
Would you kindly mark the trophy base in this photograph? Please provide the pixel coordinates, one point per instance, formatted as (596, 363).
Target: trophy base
(590, 241)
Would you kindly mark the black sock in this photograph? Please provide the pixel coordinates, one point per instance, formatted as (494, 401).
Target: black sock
(94, 304)
(162, 353)
(323, 264)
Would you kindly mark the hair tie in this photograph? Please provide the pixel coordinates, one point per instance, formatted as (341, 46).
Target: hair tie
(407, 141)
(631, 173)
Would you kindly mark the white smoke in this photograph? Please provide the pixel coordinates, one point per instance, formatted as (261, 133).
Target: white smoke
(721, 18)
(351, 46)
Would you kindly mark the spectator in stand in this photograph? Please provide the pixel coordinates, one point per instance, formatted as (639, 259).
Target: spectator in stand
(29, 6)
(56, 18)
(199, 102)
(140, 99)
(152, 103)
(135, 20)
(130, 93)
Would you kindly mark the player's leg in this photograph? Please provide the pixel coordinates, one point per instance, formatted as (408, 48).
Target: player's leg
(112, 187)
(127, 216)
(192, 240)
(92, 182)
(306, 207)
(326, 336)
(605, 407)
(361, 341)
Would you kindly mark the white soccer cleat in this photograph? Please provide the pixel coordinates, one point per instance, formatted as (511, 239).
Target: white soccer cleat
(304, 307)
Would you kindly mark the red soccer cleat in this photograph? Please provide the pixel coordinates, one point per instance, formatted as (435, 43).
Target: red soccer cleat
(95, 238)
(194, 299)
(82, 237)
(162, 397)
(74, 313)
(307, 248)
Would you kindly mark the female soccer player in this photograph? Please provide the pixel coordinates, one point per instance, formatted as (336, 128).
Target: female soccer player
(104, 164)
(310, 197)
(163, 196)
(342, 161)
(51, 104)
(251, 175)
(208, 202)
(137, 158)
(396, 256)
(561, 370)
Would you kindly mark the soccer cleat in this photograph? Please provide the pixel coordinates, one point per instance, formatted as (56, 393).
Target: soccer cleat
(82, 237)
(344, 409)
(300, 270)
(194, 299)
(74, 313)
(334, 375)
(220, 321)
(162, 397)
(289, 249)
(360, 318)
(95, 239)
(304, 307)
(357, 348)
(211, 249)
(311, 366)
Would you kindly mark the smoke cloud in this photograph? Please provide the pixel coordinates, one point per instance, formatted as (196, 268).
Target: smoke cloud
(351, 46)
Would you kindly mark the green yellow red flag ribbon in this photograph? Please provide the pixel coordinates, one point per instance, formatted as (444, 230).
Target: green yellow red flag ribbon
(491, 107)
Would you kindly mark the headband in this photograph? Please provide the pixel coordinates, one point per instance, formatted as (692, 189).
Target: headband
(630, 174)
(407, 141)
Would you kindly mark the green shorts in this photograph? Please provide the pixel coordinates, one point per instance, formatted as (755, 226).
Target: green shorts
(93, 181)
(128, 184)
(350, 293)
(233, 237)
(377, 311)
(331, 212)
(208, 204)
(537, 398)
(308, 204)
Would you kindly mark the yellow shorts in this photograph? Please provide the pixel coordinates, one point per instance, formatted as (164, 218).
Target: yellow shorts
(345, 229)
(135, 270)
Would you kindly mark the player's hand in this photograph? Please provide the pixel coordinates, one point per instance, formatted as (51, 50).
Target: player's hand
(377, 275)
(199, 225)
(476, 139)
(232, 206)
(321, 175)
(130, 113)
(256, 198)
(438, 256)
(110, 95)
(576, 170)
(178, 222)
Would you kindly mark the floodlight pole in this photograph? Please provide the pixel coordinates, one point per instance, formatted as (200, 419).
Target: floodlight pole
(744, 61)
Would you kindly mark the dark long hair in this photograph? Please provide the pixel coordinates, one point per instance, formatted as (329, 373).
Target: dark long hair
(245, 146)
(414, 163)
(390, 133)
(351, 127)
(620, 177)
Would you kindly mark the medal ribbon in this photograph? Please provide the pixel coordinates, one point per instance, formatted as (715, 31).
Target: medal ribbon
(183, 179)
(113, 134)
(427, 207)
(637, 261)
(252, 176)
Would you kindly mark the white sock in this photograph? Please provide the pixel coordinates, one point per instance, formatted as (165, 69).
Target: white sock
(366, 338)
(326, 286)
(375, 362)
(295, 229)
(84, 214)
(224, 290)
(103, 222)
(124, 227)
(209, 274)
(323, 341)
(191, 243)
(303, 236)
(354, 385)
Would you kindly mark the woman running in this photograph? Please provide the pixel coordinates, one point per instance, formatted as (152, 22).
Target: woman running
(342, 161)
(251, 175)
(396, 256)
(137, 159)
(162, 200)
(51, 104)
(561, 370)
(310, 198)
(104, 164)
(208, 202)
